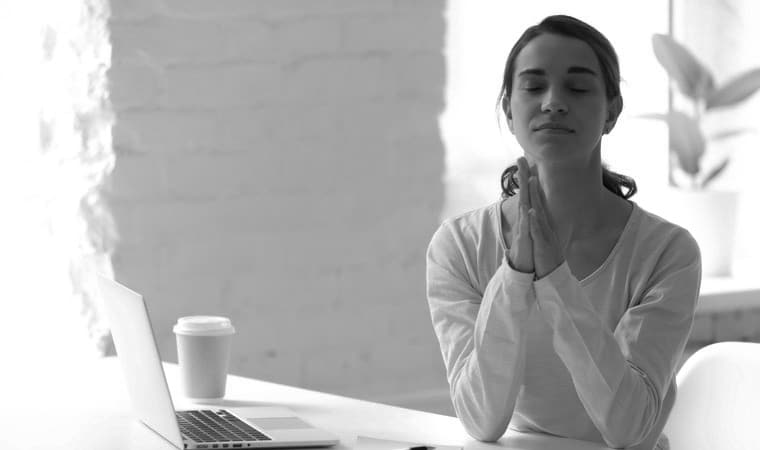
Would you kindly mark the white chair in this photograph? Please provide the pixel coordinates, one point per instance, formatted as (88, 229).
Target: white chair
(717, 404)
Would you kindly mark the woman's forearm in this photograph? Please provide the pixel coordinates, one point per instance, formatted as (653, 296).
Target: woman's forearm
(484, 350)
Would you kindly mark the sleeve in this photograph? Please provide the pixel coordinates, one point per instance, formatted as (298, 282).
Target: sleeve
(621, 377)
(481, 336)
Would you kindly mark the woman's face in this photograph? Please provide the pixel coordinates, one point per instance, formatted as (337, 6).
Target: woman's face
(558, 108)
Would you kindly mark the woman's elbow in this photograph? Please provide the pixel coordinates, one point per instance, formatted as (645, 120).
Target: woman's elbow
(624, 437)
(482, 428)
(479, 415)
(486, 434)
(645, 439)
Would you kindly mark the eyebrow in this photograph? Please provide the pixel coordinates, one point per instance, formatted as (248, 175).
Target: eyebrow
(571, 69)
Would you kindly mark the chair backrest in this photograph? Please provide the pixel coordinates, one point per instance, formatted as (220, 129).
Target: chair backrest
(718, 399)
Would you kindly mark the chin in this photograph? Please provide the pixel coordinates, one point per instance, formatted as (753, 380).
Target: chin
(545, 150)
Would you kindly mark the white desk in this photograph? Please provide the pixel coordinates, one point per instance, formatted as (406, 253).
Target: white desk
(87, 408)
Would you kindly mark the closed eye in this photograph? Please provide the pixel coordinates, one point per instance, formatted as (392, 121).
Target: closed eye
(538, 88)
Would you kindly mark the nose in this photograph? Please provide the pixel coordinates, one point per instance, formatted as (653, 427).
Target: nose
(553, 102)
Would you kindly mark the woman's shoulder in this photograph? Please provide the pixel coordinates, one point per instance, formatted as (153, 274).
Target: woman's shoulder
(476, 219)
(654, 231)
(468, 245)
(476, 227)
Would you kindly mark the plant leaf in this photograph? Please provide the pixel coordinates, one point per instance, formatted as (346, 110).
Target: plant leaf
(685, 137)
(686, 140)
(714, 172)
(729, 134)
(735, 90)
(691, 76)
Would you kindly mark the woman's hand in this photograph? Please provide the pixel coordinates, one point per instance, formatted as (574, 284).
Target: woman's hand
(548, 253)
(521, 248)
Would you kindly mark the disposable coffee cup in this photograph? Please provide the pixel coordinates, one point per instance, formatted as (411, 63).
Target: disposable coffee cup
(203, 351)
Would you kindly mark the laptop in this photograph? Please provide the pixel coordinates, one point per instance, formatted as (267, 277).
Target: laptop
(212, 428)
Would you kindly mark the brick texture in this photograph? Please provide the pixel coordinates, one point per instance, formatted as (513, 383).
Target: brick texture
(280, 162)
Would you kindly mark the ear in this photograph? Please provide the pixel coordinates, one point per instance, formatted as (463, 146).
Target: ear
(614, 107)
(508, 112)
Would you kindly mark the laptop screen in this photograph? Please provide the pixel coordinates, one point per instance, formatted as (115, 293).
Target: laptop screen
(136, 347)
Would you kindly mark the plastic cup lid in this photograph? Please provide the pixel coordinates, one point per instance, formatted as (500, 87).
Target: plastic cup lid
(204, 325)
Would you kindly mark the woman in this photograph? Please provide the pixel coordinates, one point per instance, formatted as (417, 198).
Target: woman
(563, 309)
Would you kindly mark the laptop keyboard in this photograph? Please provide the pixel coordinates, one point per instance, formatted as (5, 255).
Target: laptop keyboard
(204, 426)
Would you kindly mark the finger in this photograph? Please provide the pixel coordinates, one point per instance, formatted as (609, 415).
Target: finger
(523, 195)
(535, 202)
(536, 230)
(544, 225)
(538, 201)
(524, 222)
(541, 194)
(526, 242)
(522, 165)
(521, 249)
(543, 230)
(523, 172)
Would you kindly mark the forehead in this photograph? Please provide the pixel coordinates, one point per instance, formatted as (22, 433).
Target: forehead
(555, 54)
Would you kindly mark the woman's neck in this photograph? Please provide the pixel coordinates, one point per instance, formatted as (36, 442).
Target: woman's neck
(575, 197)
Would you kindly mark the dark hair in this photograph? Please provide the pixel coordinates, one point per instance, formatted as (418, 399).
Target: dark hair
(605, 53)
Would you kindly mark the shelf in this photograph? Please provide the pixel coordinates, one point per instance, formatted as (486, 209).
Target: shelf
(736, 292)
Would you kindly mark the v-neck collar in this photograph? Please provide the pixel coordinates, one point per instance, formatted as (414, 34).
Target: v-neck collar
(632, 218)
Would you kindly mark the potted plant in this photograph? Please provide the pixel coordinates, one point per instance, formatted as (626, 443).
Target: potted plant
(709, 215)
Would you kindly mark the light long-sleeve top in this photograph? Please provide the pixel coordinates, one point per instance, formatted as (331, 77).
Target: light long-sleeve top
(588, 359)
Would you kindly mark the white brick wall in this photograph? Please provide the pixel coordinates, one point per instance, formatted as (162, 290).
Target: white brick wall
(280, 162)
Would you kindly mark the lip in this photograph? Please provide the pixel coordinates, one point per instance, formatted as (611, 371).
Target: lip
(553, 127)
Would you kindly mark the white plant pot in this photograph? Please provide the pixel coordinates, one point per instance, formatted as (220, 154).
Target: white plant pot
(710, 216)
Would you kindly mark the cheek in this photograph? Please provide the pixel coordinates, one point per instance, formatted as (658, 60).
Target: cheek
(520, 117)
(596, 112)
(522, 131)
(519, 126)
(594, 127)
